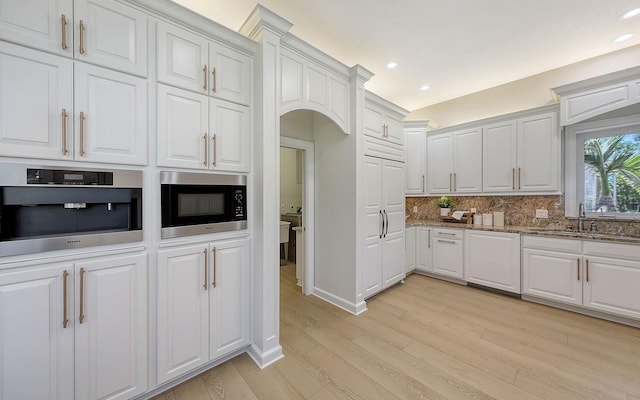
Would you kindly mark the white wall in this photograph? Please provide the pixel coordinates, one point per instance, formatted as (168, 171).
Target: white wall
(290, 189)
(523, 94)
(297, 125)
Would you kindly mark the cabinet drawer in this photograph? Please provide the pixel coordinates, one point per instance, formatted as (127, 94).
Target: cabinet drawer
(444, 233)
(608, 249)
(547, 243)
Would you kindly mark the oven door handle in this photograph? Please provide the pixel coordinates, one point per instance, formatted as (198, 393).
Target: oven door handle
(75, 206)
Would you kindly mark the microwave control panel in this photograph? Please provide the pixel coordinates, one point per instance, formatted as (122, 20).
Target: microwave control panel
(239, 204)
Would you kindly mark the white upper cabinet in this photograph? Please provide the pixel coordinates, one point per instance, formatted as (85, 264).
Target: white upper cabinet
(416, 159)
(383, 125)
(36, 104)
(229, 127)
(455, 162)
(192, 62)
(522, 155)
(103, 32)
(110, 34)
(42, 24)
(111, 116)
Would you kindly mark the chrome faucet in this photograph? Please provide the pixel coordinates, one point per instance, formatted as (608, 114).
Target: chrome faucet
(581, 216)
(593, 227)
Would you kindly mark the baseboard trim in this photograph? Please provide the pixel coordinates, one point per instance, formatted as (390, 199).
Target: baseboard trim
(264, 359)
(350, 307)
(441, 277)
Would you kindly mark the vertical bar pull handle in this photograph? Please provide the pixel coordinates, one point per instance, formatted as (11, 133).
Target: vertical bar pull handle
(81, 37)
(206, 150)
(63, 20)
(423, 183)
(214, 267)
(450, 179)
(81, 318)
(213, 72)
(215, 149)
(513, 179)
(587, 271)
(65, 150)
(82, 119)
(519, 179)
(65, 299)
(204, 71)
(382, 230)
(206, 269)
(454, 181)
(429, 238)
(578, 269)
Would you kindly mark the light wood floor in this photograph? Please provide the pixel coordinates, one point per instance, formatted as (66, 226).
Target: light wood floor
(429, 339)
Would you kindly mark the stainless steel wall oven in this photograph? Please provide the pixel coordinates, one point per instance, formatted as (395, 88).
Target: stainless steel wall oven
(198, 203)
(55, 208)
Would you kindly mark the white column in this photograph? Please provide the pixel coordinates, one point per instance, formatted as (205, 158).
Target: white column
(266, 28)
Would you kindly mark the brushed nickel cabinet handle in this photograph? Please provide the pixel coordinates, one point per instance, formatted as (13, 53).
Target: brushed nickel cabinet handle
(213, 72)
(578, 269)
(423, 183)
(450, 180)
(513, 179)
(429, 238)
(519, 179)
(215, 149)
(446, 233)
(82, 119)
(214, 267)
(587, 272)
(447, 241)
(455, 176)
(206, 270)
(206, 150)
(82, 37)
(63, 20)
(204, 72)
(384, 213)
(81, 295)
(65, 299)
(65, 150)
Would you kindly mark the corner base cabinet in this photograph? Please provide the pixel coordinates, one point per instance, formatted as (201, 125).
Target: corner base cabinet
(74, 329)
(203, 304)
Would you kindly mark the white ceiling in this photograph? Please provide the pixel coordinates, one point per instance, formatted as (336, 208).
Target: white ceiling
(456, 47)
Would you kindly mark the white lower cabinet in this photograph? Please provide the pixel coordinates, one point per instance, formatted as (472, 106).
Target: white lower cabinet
(75, 329)
(493, 259)
(599, 275)
(448, 253)
(424, 249)
(409, 249)
(202, 304)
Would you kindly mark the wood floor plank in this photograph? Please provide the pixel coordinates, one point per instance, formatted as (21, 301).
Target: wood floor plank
(300, 374)
(270, 384)
(195, 389)
(226, 383)
(331, 392)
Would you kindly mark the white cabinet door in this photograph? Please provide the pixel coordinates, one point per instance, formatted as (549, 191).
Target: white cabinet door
(182, 58)
(229, 297)
(111, 327)
(499, 157)
(36, 91)
(493, 259)
(373, 124)
(416, 161)
(111, 116)
(447, 258)
(38, 24)
(182, 128)
(230, 77)
(440, 163)
(538, 154)
(409, 249)
(392, 176)
(36, 348)
(182, 310)
(467, 158)
(230, 132)
(111, 34)
(611, 285)
(394, 132)
(372, 260)
(552, 275)
(424, 249)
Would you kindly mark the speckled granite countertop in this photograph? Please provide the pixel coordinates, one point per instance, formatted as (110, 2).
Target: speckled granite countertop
(529, 230)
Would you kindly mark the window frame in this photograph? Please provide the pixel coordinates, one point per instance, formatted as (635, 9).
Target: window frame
(575, 136)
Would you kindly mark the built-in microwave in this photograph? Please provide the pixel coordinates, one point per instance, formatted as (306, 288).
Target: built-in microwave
(56, 208)
(199, 203)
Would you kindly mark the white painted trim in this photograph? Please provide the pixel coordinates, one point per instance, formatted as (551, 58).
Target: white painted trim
(263, 360)
(348, 306)
(308, 204)
(598, 81)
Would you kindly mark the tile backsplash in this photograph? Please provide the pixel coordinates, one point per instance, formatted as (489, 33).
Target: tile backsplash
(518, 210)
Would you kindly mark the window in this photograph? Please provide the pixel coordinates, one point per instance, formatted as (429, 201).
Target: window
(603, 168)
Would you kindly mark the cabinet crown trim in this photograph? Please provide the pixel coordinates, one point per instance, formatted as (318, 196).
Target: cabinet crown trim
(303, 49)
(377, 101)
(598, 81)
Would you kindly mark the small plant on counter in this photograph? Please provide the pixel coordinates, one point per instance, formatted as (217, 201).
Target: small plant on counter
(445, 202)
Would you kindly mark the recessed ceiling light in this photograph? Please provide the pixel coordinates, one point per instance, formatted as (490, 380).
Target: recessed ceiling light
(623, 38)
(630, 14)
(424, 87)
(392, 65)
